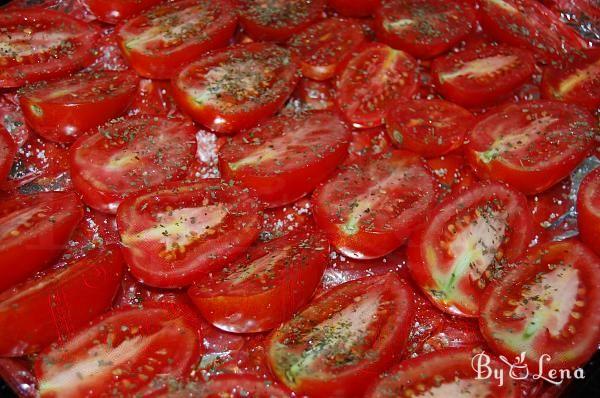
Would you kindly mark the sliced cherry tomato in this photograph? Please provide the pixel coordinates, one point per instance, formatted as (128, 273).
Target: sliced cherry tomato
(355, 8)
(371, 82)
(61, 111)
(38, 44)
(447, 373)
(114, 11)
(172, 34)
(531, 145)
(466, 242)
(424, 28)
(231, 386)
(548, 303)
(37, 312)
(588, 210)
(430, 128)
(234, 88)
(452, 172)
(338, 344)
(8, 152)
(174, 235)
(34, 229)
(277, 20)
(324, 45)
(127, 155)
(286, 157)
(129, 352)
(482, 75)
(266, 286)
(371, 206)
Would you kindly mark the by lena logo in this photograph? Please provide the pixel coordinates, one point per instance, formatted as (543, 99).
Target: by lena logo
(519, 370)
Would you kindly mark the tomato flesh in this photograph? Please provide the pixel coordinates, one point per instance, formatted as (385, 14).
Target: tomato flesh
(588, 210)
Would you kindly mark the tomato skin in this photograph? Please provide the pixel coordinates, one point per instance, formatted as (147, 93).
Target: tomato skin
(234, 385)
(356, 8)
(113, 12)
(64, 119)
(41, 310)
(588, 210)
(8, 151)
(35, 230)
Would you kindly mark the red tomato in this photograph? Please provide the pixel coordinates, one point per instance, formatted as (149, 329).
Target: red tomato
(232, 386)
(266, 286)
(324, 45)
(430, 128)
(286, 157)
(531, 145)
(466, 242)
(172, 34)
(154, 97)
(128, 352)
(452, 172)
(41, 44)
(61, 111)
(588, 210)
(482, 75)
(312, 95)
(37, 312)
(424, 28)
(114, 11)
(368, 142)
(285, 220)
(447, 373)
(96, 231)
(371, 206)
(8, 151)
(354, 8)
(371, 81)
(547, 303)
(277, 20)
(34, 230)
(127, 155)
(235, 88)
(176, 234)
(338, 344)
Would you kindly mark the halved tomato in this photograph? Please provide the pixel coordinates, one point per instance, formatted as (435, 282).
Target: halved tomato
(34, 229)
(127, 155)
(235, 88)
(482, 75)
(172, 34)
(61, 111)
(277, 20)
(531, 145)
(447, 373)
(174, 235)
(430, 128)
(324, 45)
(38, 44)
(37, 312)
(466, 242)
(452, 173)
(424, 28)
(286, 157)
(372, 205)
(338, 344)
(588, 210)
(266, 286)
(128, 352)
(232, 386)
(355, 8)
(8, 151)
(114, 11)
(371, 82)
(548, 303)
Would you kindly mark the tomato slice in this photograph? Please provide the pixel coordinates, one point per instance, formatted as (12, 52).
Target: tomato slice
(231, 386)
(548, 303)
(37, 312)
(531, 145)
(34, 230)
(588, 210)
(344, 338)
(355, 8)
(127, 155)
(172, 34)
(430, 128)
(115, 11)
(447, 373)
(61, 111)
(266, 286)
(38, 44)
(235, 88)
(174, 235)
(324, 45)
(128, 352)
(424, 28)
(277, 20)
(482, 75)
(8, 152)
(372, 205)
(286, 157)
(371, 81)
(466, 242)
